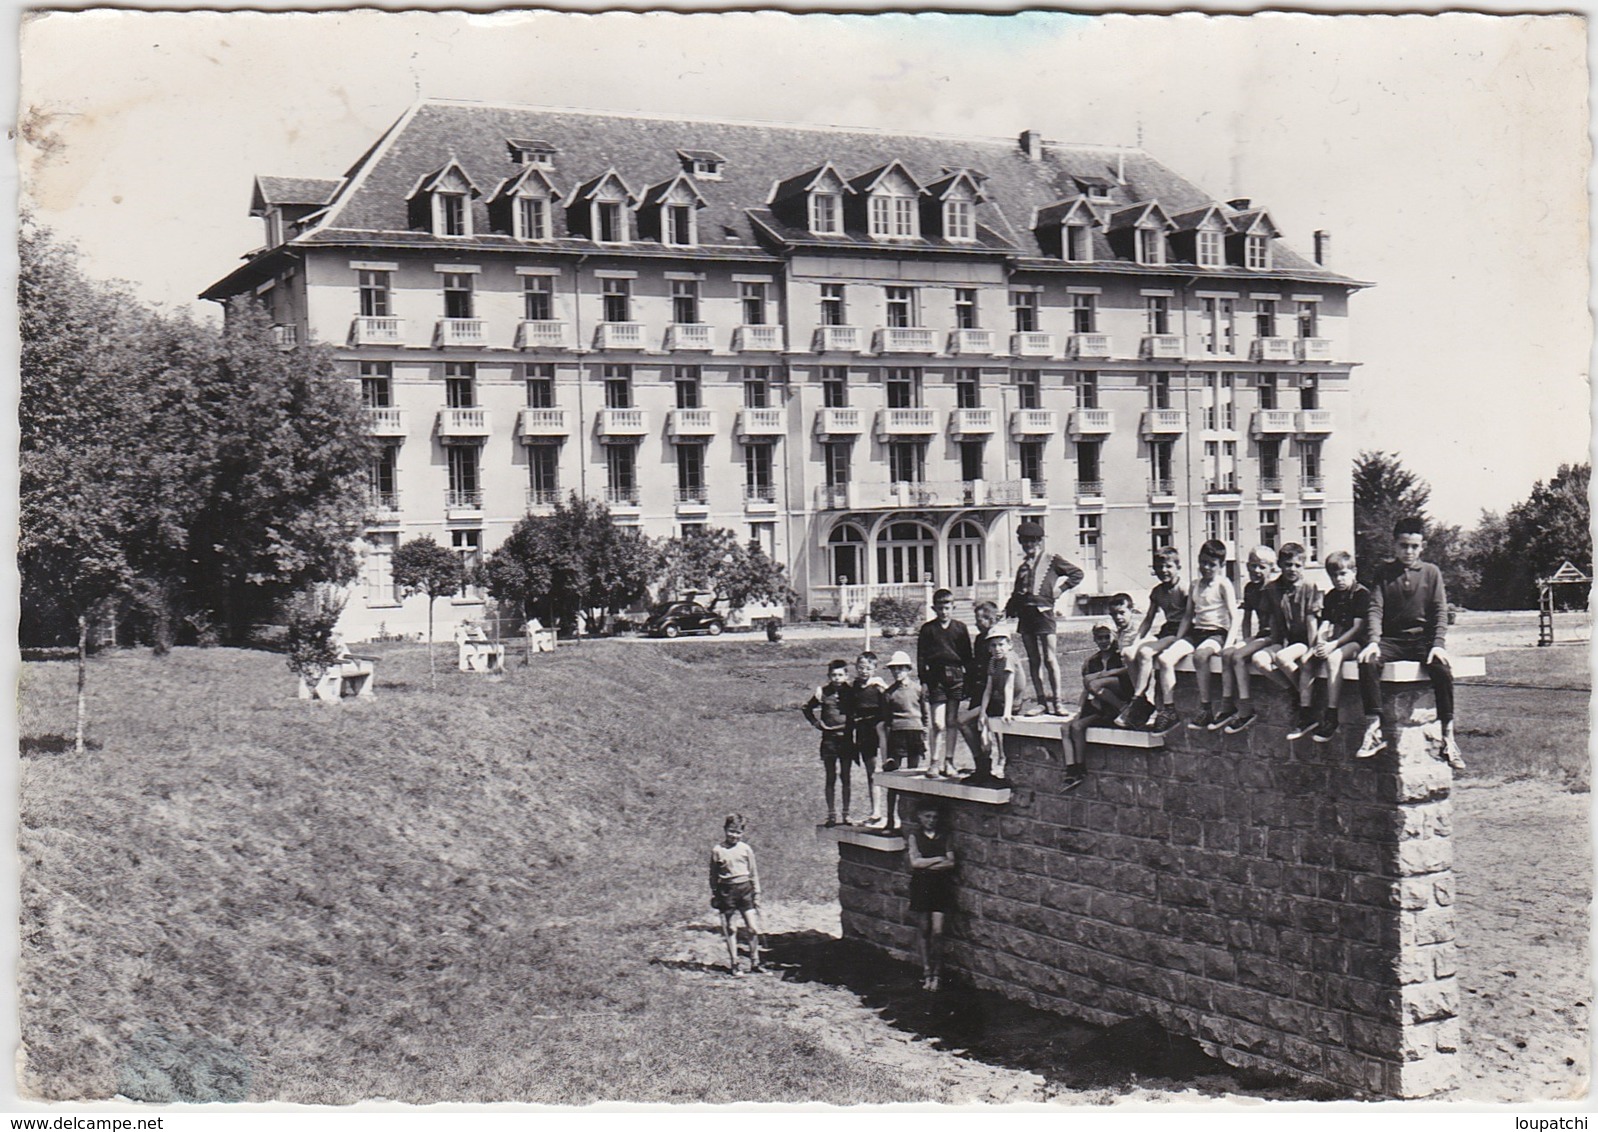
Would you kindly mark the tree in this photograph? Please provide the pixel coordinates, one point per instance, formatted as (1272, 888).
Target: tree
(573, 564)
(1512, 551)
(1384, 492)
(734, 572)
(421, 566)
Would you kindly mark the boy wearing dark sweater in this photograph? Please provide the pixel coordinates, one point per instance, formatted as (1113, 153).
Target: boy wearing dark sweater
(828, 710)
(943, 657)
(1408, 621)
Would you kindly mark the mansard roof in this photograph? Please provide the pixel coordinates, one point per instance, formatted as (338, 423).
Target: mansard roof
(272, 192)
(370, 203)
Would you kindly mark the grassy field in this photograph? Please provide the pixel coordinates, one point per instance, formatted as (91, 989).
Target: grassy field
(450, 896)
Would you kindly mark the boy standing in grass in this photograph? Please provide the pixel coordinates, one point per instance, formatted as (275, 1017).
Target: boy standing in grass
(864, 712)
(1167, 600)
(1408, 621)
(943, 657)
(1209, 625)
(976, 683)
(1295, 609)
(1344, 612)
(735, 887)
(834, 701)
(931, 888)
(1254, 635)
(902, 725)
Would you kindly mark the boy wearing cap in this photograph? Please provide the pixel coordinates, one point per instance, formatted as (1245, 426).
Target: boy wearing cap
(902, 726)
(943, 657)
(1039, 582)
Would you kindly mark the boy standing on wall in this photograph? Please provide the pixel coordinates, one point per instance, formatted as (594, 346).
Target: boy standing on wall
(1039, 582)
(943, 658)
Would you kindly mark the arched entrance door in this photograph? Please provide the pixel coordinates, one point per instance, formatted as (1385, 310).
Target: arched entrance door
(967, 543)
(906, 552)
(846, 556)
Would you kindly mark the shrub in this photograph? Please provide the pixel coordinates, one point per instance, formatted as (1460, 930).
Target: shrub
(309, 640)
(896, 613)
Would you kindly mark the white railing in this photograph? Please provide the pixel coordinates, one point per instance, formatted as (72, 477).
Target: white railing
(1032, 344)
(905, 340)
(456, 500)
(1092, 422)
(622, 422)
(692, 422)
(1164, 422)
(832, 496)
(963, 342)
(1034, 422)
(619, 336)
(906, 422)
(1162, 346)
(1090, 345)
(1315, 420)
(762, 422)
(385, 421)
(463, 422)
(837, 340)
(840, 422)
(372, 331)
(689, 336)
(854, 601)
(1037, 490)
(973, 422)
(542, 334)
(462, 332)
(286, 337)
(757, 339)
(1314, 349)
(1273, 422)
(1273, 349)
(545, 422)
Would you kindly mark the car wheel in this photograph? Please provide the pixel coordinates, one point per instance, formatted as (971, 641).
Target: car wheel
(714, 628)
(670, 631)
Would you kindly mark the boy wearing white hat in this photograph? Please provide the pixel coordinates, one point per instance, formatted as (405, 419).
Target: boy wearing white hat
(903, 725)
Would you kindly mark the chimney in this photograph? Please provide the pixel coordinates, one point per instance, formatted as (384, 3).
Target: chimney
(1032, 145)
(1241, 204)
(1323, 247)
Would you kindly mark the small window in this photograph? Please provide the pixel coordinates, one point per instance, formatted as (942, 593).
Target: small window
(1159, 391)
(1084, 314)
(1025, 306)
(1029, 390)
(1309, 393)
(965, 308)
(616, 300)
(451, 216)
(1156, 314)
(538, 298)
(686, 381)
(757, 387)
(543, 470)
(610, 222)
(1077, 243)
(967, 391)
(903, 388)
(1162, 529)
(901, 303)
(1031, 458)
(1265, 318)
(834, 387)
(375, 294)
(679, 225)
(460, 385)
(532, 218)
(971, 460)
(832, 305)
(1150, 246)
(1210, 251)
(1270, 527)
(752, 297)
(1257, 253)
(540, 381)
(684, 301)
(959, 220)
(618, 387)
(1312, 533)
(894, 217)
(826, 214)
(377, 385)
(1309, 322)
(457, 294)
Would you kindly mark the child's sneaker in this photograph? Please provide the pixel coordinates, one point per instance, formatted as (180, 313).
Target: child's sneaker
(1203, 720)
(1074, 774)
(1374, 742)
(1164, 720)
(832, 820)
(1242, 721)
(1221, 718)
(1306, 723)
(1451, 750)
(1327, 730)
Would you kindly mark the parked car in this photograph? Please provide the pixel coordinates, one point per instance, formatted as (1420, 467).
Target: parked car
(673, 618)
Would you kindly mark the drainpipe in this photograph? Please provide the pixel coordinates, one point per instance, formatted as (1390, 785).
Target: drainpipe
(1193, 508)
(581, 351)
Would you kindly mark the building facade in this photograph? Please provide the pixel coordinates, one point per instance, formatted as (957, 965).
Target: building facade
(873, 353)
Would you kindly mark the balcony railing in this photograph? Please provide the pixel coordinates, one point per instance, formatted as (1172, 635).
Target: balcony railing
(385, 421)
(762, 422)
(459, 500)
(462, 332)
(1090, 489)
(619, 336)
(1162, 487)
(469, 424)
(542, 423)
(963, 343)
(1162, 346)
(906, 422)
(1092, 422)
(1090, 345)
(905, 340)
(692, 422)
(973, 422)
(622, 496)
(382, 506)
(1273, 349)
(1315, 421)
(1270, 485)
(538, 497)
(757, 339)
(1309, 485)
(1037, 491)
(1314, 349)
(1164, 422)
(837, 340)
(689, 336)
(691, 496)
(1273, 422)
(370, 331)
(1034, 422)
(542, 334)
(832, 497)
(760, 495)
(286, 337)
(840, 422)
(1221, 485)
(1032, 344)
(623, 423)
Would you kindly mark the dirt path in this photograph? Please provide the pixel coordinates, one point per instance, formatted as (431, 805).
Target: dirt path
(1523, 866)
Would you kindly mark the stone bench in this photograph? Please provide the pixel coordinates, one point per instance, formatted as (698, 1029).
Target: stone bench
(482, 656)
(350, 677)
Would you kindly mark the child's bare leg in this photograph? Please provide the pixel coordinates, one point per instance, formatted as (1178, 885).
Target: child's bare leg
(951, 731)
(752, 922)
(1166, 664)
(1051, 663)
(1034, 663)
(1307, 672)
(935, 945)
(924, 945)
(1229, 673)
(1201, 668)
(731, 941)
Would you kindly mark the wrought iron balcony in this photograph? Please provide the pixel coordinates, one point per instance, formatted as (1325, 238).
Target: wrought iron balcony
(539, 498)
(456, 500)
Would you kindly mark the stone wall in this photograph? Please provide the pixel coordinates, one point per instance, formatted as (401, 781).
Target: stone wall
(1285, 904)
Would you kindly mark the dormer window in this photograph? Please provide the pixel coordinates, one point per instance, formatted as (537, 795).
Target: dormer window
(893, 216)
(1210, 249)
(604, 208)
(959, 220)
(1257, 252)
(893, 202)
(451, 217)
(678, 227)
(538, 154)
(1150, 246)
(610, 223)
(531, 219)
(826, 214)
(1095, 188)
(702, 164)
(442, 202)
(669, 212)
(1076, 241)
(521, 206)
(1252, 244)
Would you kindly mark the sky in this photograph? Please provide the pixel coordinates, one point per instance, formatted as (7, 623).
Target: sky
(1446, 155)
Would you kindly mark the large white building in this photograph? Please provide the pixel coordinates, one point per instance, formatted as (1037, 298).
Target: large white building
(873, 352)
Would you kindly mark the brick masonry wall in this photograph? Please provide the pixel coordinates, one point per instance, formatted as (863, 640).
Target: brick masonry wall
(1285, 904)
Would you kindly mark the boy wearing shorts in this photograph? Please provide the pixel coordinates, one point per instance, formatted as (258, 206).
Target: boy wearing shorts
(1344, 612)
(1168, 601)
(1295, 606)
(943, 657)
(1254, 635)
(998, 702)
(976, 682)
(864, 712)
(735, 887)
(828, 710)
(902, 726)
(1208, 625)
(1040, 581)
(931, 861)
